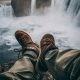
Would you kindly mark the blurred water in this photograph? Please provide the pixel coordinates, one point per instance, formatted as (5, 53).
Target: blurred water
(52, 20)
(5, 11)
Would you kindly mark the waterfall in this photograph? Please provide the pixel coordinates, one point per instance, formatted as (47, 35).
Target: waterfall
(5, 11)
(60, 19)
(33, 6)
(74, 11)
(74, 7)
(71, 8)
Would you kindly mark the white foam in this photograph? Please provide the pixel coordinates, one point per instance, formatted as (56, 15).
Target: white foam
(52, 21)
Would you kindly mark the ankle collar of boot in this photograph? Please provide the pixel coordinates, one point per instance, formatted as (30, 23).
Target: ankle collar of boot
(30, 48)
(50, 47)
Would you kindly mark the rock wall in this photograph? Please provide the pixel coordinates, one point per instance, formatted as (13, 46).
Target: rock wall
(43, 3)
(21, 7)
(5, 1)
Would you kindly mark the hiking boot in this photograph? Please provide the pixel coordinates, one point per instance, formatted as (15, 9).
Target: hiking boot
(24, 68)
(47, 43)
(26, 42)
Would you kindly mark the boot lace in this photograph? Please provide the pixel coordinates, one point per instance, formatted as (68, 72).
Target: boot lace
(19, 51)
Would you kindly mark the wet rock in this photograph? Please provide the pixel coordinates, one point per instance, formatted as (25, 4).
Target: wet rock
(4, 2)
(3, 30)
(43, 3)
(21, 7)
(7, 55)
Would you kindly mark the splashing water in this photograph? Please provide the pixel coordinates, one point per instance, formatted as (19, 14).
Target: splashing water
(53, 20)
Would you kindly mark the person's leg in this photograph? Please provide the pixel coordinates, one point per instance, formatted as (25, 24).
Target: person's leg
(75, 70)
(62, 65)
(48, 54)
(24, 68)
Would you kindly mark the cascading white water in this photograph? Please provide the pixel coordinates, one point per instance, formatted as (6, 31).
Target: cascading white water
(54, 20)
(71, 7)
(74, 7)
(5, 11)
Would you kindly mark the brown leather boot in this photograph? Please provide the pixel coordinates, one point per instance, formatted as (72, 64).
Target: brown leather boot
(26, 42)
(47, 43)
(24, 68)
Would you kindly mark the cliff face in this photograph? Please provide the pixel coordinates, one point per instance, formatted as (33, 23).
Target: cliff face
(5, 1)
(43, 3)
(21, 7)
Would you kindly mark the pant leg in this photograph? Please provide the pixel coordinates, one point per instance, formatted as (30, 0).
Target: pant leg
(64, 66)
(23, 69)
(47, 63)
(75, 71)
(50, 61)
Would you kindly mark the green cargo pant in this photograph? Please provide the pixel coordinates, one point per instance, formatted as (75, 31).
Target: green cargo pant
(23, 69)
(64, 65)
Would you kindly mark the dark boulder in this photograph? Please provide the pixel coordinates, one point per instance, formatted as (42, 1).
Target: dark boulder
(21, 7)
(43, 3)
